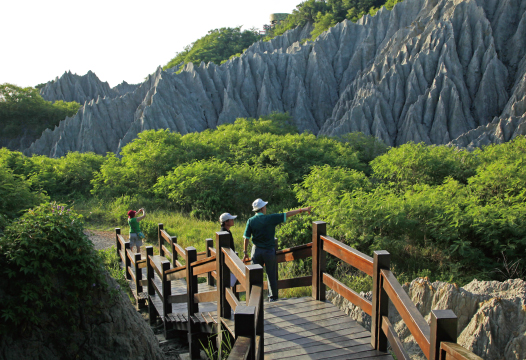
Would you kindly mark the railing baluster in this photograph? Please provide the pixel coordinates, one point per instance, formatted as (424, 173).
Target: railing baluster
(127, 261)
(138, 275)
(118, 243)
(152, 312)
(209, 244)
(193, 307)
(319, 228)
(245, 326)
(381, 260)
(160, 228)
(223, 278)
(174, 252)
(443, 328)
(254, 275)
(166, 288)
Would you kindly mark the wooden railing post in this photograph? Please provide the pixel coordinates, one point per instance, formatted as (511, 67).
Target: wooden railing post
(443, 328)
(244, 319)
(319, 228)
(160, 227)
(380, 303)
(118, 243)
(127, 261)
(223, 278)
(254, 274)
(138, 275)
(209, 244)
(152, 313)
(174, 252)
(166, 288)
(193, 307)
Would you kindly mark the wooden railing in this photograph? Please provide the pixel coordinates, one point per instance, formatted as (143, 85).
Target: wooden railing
(437, 341)
(248, 330)
(133, 264)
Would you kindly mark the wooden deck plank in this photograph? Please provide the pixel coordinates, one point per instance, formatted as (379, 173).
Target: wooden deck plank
(355, 351)
(321, 341)
(281, 336)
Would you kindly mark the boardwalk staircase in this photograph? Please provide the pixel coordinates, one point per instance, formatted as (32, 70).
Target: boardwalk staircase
(303, 328)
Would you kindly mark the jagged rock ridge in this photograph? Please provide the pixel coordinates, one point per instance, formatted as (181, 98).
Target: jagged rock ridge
(429, 70)
(72, 87)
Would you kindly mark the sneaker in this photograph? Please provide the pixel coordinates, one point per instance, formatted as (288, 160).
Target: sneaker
(272, 299)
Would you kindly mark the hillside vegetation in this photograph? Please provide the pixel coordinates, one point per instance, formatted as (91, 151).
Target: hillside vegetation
(219, 45)
(440, 211)
(23, 110)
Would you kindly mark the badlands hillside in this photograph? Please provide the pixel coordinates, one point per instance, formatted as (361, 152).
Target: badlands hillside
(437, 71)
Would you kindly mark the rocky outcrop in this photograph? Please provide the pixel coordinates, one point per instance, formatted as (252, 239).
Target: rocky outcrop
(491, 315)
(429, 70)
(117, 331)
(72, 87)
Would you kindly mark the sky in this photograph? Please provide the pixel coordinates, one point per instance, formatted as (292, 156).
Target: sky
(117, 40)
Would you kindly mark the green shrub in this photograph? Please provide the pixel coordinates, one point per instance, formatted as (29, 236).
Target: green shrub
(208, 188)
(16, 194)
(51, 268)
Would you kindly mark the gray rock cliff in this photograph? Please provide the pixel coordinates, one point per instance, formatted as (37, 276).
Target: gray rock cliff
(491, 315)
(429, 70)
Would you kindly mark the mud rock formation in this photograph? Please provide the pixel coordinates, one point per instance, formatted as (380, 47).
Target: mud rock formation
(72, 87)
(117, 332)
(429, 70)
(491, 315)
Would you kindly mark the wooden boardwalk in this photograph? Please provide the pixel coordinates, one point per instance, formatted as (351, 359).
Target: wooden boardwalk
(304, 328)
(299, 328)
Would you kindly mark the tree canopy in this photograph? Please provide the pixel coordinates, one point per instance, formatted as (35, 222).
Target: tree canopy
(24, 108)
(217, 46)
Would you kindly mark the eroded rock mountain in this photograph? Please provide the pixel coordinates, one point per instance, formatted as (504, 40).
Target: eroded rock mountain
(72, 87)
(437, 71)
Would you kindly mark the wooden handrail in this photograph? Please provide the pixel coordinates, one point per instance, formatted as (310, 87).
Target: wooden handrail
(208, 296)
(166, 236)
(176, 273)
(457, 352)
(346, 253)
(294, 253)
(394, 340)
(414, 321)
(179, 249)
(348, 294)
(121, 239)
(234, 263)
(241, 348)
(231, 299)
(204, 266)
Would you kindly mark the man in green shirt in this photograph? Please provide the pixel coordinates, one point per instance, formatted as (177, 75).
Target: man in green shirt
(262, 229)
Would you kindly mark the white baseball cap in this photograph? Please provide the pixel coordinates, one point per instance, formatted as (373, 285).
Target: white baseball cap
(226, 216)
(258, 204)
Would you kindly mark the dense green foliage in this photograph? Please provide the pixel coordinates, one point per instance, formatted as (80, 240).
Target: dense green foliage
(207, 188)
(23, 109)
(62, 178)
(453, 212)
(254, 158)
(327, 13)
(51, 267)
(217, 46)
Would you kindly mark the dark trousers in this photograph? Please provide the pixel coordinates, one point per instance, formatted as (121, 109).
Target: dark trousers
(267, 258)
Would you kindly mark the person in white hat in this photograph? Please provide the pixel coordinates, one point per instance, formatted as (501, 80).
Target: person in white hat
(262, 229)
(227, 221)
